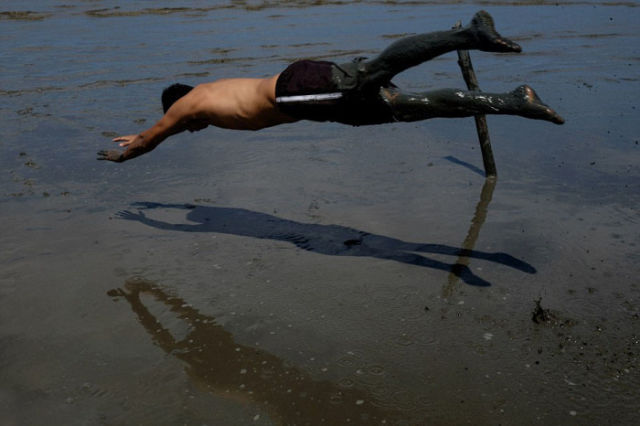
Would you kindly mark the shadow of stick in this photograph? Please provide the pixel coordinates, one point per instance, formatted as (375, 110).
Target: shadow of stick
(469, 243)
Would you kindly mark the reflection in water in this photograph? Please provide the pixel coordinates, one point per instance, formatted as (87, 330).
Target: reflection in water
(469, 243)
(248, 374)
(332, 240)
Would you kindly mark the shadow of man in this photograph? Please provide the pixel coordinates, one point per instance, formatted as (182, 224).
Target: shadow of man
(248, 374)
(333, 240)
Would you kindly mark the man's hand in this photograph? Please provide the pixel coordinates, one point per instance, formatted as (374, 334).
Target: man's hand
(135, 146)
(110, 155)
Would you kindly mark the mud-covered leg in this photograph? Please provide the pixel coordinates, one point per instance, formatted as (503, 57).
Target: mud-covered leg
(523, 101)
(411, 51)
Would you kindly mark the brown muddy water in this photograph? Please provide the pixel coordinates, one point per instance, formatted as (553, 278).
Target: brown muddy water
(315, 273)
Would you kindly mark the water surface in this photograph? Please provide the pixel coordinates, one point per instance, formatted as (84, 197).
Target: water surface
(315, 271)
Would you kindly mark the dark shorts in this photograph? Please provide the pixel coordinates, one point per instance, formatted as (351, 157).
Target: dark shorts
(308, 90)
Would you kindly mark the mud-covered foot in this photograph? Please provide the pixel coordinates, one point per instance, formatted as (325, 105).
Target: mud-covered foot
(529, 105)
(487, 37)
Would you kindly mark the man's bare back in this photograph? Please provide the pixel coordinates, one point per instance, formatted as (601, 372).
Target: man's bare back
(238, 103)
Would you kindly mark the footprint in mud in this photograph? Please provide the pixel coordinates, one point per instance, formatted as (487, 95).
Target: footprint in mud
(548, 317)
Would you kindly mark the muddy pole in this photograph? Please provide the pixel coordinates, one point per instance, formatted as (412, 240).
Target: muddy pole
(464, 61)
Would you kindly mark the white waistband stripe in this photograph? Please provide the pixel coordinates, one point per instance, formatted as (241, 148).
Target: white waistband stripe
(306, 98)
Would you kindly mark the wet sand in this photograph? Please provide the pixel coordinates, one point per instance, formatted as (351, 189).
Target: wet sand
(316, 272)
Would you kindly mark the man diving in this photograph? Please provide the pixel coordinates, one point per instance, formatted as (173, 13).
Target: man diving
(356, 93)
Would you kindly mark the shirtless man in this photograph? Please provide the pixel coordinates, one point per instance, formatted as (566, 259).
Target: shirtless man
(356, 93)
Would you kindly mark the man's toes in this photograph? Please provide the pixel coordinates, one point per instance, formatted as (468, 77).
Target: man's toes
(490, 40)
(533, 106)
(555, 117)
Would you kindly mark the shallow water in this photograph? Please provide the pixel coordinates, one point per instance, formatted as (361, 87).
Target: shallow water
(315, 271)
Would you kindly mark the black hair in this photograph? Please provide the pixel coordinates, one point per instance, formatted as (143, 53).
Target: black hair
(172, 93)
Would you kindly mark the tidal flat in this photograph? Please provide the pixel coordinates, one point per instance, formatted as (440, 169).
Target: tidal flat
(315, 273)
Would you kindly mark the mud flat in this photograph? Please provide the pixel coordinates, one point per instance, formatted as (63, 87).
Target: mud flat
(315, 271)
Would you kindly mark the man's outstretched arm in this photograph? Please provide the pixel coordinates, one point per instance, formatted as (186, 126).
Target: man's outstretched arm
(176, 120)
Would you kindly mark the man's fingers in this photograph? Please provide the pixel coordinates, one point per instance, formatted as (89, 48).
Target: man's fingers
(110, 155)
(124, 140)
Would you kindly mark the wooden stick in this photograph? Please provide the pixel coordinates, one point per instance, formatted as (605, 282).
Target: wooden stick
(464, 61)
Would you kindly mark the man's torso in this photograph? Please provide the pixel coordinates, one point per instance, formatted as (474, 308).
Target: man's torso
(240, 103)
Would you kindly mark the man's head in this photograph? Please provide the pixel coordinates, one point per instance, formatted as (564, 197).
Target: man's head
(172, 93)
